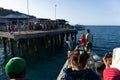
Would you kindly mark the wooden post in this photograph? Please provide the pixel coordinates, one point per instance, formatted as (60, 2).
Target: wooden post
(22, 47)
(67, 36)
(12, 47)
(57, 40)
(4, 45)
(39, 43)
(45, 41)
(75, 36)
(52, 41)
(62, 39)
(36, 46)
(72, 36)
(26, 45)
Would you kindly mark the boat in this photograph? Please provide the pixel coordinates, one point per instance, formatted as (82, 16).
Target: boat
(94, 58)
(79, 27)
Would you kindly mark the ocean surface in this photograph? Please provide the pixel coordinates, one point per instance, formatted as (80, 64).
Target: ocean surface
(49, 64)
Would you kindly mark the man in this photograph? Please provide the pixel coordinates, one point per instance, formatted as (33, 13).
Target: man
(70, 44)
(16, 69)
(89, 38)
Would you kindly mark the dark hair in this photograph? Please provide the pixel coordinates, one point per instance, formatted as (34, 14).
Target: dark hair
(79, 58)
(99, 68)
(109, 55)
(88, 30)
(15, 75)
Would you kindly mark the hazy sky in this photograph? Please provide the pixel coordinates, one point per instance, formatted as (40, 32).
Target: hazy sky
(86, 12)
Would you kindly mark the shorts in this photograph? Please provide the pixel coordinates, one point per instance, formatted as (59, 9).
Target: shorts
(89, 46)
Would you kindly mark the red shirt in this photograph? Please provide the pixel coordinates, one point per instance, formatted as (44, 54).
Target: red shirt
(83, 41)
(111, 74)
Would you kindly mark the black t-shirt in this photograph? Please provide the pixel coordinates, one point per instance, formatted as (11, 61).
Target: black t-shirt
(86, 74)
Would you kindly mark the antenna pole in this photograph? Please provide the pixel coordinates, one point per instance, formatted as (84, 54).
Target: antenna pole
(28, 6)
(28, 14)
(55, 11)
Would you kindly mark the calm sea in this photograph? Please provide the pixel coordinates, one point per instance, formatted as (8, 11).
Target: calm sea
(49, 65)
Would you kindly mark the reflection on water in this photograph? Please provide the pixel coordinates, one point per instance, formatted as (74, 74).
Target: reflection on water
(47, 66)
(2, 63)
(44, 65)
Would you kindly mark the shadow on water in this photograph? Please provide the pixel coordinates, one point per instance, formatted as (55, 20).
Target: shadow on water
(43, 64)
(46, 64)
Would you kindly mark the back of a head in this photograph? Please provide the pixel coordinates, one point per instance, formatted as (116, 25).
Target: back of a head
(88, 30)
(99, 67)
(79, 58)
(83, 36)
(15, 67)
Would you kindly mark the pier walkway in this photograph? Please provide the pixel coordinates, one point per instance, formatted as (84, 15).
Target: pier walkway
(33, 34)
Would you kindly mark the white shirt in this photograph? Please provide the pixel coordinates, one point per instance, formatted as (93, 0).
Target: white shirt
(116, 58)
(89, 38)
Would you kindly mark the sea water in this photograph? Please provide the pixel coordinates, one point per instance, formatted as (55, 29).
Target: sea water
(49, 64)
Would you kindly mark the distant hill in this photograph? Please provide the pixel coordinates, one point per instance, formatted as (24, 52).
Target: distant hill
(4, 12)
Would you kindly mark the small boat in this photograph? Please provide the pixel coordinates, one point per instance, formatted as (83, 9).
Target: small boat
(79, 27)
(91, 63)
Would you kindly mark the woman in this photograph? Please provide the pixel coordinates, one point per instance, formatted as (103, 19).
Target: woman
(112, 70)
(78, 61)
(83, 41)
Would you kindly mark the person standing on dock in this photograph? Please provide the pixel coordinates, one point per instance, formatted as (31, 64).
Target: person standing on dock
(83, 41)
(89, 38)
(16, 69)
(69, 44)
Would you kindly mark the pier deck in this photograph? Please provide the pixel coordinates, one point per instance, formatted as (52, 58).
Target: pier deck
(33, 34)
(22, 43)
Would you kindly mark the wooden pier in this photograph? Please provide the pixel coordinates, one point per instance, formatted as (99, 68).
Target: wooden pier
(23, 41)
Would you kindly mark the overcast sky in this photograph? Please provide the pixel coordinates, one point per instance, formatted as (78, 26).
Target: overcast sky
(86, 12)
